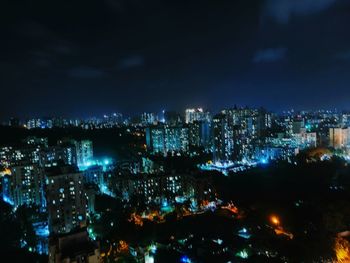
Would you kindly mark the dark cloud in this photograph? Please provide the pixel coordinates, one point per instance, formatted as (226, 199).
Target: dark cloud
(270, 55)
(283, 10)
(134, 55)
(42, 62)
(131, 62)
(63, 49)
(345, 55)
(86, 72)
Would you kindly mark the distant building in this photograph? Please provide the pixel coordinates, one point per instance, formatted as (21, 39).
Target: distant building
(237, 132)
(155, 188)
(176, 139)
(200, 134)
(223, 139)
(32, 140)
(155, 139)
(148, 119)
(40, 123)
(14, 122)
(264, 122)
(33, 123)
(66, 199)
(165, 139)
(109, 121)
(196, 114)
(117, 118)
(37, 151)
(15, 156)
(158, 187)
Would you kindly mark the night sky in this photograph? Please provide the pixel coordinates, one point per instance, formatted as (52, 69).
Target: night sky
(88, 57)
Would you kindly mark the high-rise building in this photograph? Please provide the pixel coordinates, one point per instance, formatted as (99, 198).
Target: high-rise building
(34, 123)
(94, 175)
(148, 118)
(84, 152)
(176, 139)
(264, 122)
(32, 140)
(108, 121)
(194, 134)
(200, 134)
(155, 139)
(37, 151)
(46, 123)
(223, 139)
(66, 199)
(196, 114)
(55, 155)
(11, 156)
(25, 186)
(237, 132)
(165, 139)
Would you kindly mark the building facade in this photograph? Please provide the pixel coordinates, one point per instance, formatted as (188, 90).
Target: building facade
(66, 199)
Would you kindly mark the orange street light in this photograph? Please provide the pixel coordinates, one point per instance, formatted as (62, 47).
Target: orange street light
(275, 220)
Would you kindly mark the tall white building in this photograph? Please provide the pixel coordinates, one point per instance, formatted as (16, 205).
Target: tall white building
(84, 152)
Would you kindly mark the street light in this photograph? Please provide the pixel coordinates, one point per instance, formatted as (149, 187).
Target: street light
(275, 220)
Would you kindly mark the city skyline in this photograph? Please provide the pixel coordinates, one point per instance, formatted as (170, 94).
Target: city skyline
(160, 112)
(129, 56)
(175, 131)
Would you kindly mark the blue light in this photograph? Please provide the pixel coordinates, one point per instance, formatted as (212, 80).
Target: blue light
(185, 259)
(23, 243)
(106, 162)
(153, 248)
(244, 233)
(264, 161)
(41, 229)
(8, 200)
